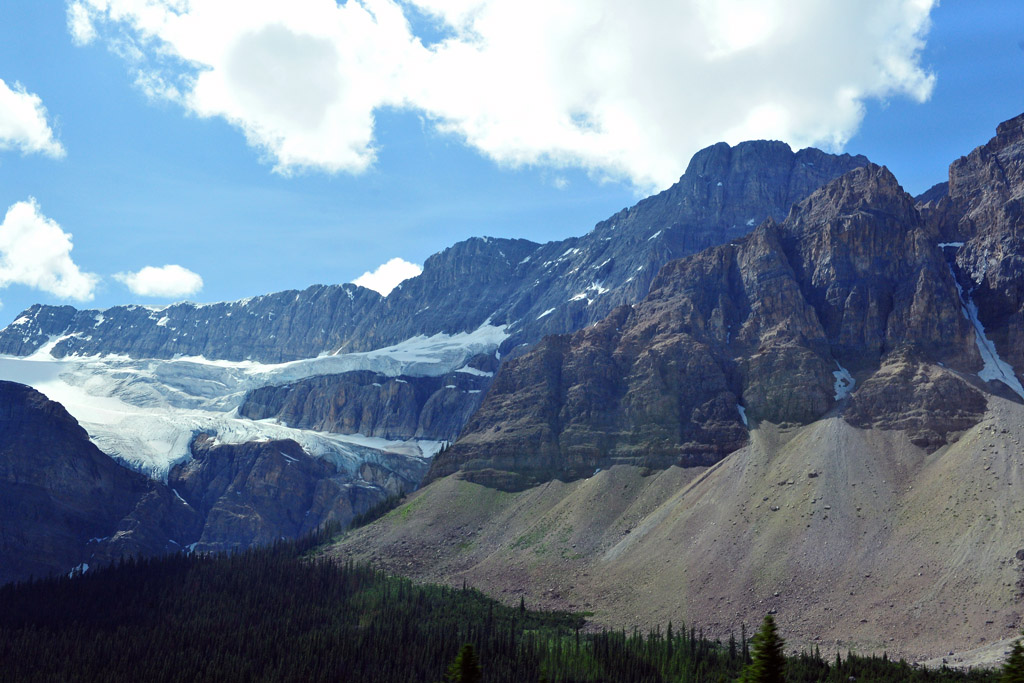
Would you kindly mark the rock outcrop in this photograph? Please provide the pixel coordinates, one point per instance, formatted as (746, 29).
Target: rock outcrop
(66, 504)
(63, 502)
(986, 206)
(371, 404)
(258, 492)
(769, 327)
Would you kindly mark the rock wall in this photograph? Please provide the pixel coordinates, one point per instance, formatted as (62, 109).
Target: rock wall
(758, 329)
(367, 403)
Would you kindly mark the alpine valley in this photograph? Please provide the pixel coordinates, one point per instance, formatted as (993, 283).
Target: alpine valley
(781, 385)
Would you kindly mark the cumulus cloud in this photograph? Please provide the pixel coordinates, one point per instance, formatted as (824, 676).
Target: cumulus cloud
(621, 89)
(23, 123)
(388, 275)
(167, 282)
(36, 252)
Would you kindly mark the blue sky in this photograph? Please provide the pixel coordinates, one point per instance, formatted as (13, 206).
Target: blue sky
(489, 133)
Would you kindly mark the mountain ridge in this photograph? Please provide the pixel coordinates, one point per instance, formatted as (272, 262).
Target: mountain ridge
(752, 330)
(509, 282)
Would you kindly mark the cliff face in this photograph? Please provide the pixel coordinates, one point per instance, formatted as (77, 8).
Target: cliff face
(63, 502)
(66, 504)
(852, 286)
(255, 493)
(371, 404)
(985, 205)
(724, 193)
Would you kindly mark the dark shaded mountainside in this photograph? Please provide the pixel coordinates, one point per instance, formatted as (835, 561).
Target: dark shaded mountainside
(858, 288)
(530, 288)
(64, 503)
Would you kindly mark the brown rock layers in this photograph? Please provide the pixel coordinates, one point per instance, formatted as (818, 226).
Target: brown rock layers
(851, 281)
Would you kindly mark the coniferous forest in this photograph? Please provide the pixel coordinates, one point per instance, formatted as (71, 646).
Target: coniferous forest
(274, 614)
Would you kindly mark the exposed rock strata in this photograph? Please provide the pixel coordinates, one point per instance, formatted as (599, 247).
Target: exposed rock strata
(851, 278)
(255, 493)
(399, 408)
(986, 199)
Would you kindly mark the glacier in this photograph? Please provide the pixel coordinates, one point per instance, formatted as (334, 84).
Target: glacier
(146, 412)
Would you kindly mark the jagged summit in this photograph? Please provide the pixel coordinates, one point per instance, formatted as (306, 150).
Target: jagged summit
(531, 289)
(852, 288)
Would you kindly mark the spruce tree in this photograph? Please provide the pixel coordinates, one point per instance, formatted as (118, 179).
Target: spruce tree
(466, 667)
(769, 661)
(1013, 667)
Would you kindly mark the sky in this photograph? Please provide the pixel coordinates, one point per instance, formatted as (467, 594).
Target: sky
(160, 150)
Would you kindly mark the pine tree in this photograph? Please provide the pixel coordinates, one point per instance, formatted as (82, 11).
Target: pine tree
(1013, 667)
(466, 667)
(769, 661)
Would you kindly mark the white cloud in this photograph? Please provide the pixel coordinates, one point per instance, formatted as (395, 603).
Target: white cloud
(80, 24)
(23, 123)
(36, 252)
(388, 275)
(622, 89)
(168, 281)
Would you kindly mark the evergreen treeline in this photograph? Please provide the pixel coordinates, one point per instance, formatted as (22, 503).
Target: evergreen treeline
(377, 511)
(272, 614)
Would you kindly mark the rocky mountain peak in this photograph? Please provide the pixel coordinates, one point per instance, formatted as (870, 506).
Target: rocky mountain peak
(780, 326)
(870, 189)
(1011, 131)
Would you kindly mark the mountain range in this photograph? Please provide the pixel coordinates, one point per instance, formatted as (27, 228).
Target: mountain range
(783, 383)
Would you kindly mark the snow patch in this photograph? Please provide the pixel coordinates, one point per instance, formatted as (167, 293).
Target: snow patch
(546, 313)
(994, 368)
(474, 371)
(743, 414)
(944, 245)
(653, 236)
(844, 382)
(751, 222)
